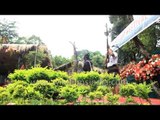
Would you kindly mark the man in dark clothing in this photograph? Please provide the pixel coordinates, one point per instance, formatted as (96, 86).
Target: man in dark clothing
(88, 65)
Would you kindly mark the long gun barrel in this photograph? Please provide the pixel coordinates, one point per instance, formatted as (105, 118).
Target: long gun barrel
(107, 45)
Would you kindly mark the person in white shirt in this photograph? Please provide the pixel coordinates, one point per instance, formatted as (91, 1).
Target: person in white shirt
(111, 62)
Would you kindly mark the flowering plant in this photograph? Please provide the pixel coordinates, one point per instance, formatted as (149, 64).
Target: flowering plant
(144, 70)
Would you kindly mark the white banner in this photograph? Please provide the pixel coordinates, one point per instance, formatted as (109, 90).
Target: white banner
(133, 29)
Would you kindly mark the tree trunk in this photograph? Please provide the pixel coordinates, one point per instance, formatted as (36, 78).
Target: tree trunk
(137, 41)
(140, 45)
(76, 60)
(4, 40)
(75, 57)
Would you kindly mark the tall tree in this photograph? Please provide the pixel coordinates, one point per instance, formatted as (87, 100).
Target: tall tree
(98, 59)
(59, 60)
(149, 37)
(120, 22)
(34, 40)
(139, 46)
(137, 41)
(31, 40)
(30, 58)
(7, 31)
(20, 40)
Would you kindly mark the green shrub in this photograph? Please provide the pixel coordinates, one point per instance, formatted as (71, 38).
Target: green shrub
(143, 90)
(93, 77)
(41, 102)
(112, 99)
(4, 97)
(37, 73)
(45, 88)
(11, 87)
(109, 79)
(70, 93)
(94, 86)
(95, 95)
(104, 89)
(2, 89)
(19, 92)
(59, 74)
(59, 82)
(80, 77)
(86, 77)
(83, 90)
(128, 89)
(18, 75)
(20, 101)
(33, 94)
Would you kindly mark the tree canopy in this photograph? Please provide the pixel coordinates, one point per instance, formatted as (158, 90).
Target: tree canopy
(130, 51)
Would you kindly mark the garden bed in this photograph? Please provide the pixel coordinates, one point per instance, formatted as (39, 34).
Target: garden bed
(123, 99)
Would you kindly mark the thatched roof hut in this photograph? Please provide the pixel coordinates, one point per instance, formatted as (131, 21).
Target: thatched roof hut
(11, 54)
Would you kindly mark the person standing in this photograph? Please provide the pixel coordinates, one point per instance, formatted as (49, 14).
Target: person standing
(111, 62)
(87, 65)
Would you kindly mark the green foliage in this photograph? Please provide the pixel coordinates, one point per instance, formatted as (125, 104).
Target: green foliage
(4, 97)
(34, 40)
(86, 77)
(128, 90)
(129, 51)
(31, 40)
(59, 82)
(110, 79)
(11, 87)
(104, 89)
(41, 102)
(149, 38)
(19, 92)
(94, 85)
(95, 95)
(58, 74)
(32, 94)
(112, 99)
(119, 22)
(20, 40)
(130, 100)
(59, 60)
(37, 73)
(2, 89)
(30, 58)
(17, 89)
(80, 77)
(93, 76)
(69, 92)
(8, 30)
(143, 90)
(18, 75)
(83, 90)
(45, 88)
(96, 57)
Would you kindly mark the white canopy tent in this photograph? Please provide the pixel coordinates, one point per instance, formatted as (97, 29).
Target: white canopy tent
(133, 29)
